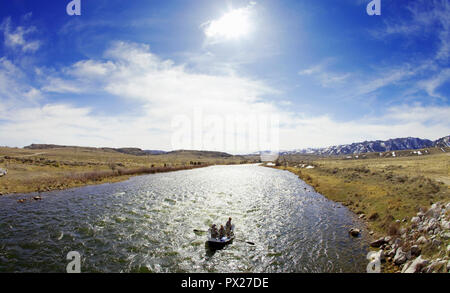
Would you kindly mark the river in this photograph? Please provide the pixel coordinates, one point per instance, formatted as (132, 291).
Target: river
(145, 224)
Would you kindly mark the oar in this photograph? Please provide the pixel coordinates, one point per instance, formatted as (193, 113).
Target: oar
(199, 231)
(248, 242)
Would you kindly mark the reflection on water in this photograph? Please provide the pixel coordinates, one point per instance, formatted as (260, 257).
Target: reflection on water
(146, 224)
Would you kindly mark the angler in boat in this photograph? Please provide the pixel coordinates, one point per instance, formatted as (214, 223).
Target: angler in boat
(223, 236)
(228, 227)
(214, 232)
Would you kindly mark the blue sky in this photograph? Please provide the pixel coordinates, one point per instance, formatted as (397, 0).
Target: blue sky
(125, 73)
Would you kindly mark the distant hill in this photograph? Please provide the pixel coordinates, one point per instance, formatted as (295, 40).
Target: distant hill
(396, 144)
(129, 151)
(35, 146)
(201, 153)
(138, 152)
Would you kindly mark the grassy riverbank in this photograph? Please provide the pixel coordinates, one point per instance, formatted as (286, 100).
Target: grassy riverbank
(34, 170)
(386, 191)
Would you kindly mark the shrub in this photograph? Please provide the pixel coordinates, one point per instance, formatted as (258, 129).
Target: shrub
(394, 229)
(374, 216)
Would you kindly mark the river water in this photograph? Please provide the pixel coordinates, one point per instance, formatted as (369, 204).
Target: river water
(146, 224)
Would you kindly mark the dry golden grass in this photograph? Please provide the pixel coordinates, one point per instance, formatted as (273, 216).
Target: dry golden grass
(59, 168)
(384, 189)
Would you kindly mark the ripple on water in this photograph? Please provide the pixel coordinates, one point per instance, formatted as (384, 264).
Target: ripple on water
(146, 224)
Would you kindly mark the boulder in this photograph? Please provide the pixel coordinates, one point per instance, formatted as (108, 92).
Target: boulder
(445, 224)
(415, 250)
(415, 266)
(436, 243)
(3, 172)
(437, 266)
(409, 256)
(434, 211)
(378, 243)
(400, 257)
(406, 266)
(415, 220)
(374, 216)
(436, 230)
(432, 224)
(397, 242)
(445, 235)
(422, 240)
(391, 253)
(354, 232)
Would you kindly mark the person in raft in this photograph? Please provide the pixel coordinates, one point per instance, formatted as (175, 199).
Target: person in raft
(214, 232)
(221, 232)
(228, 227)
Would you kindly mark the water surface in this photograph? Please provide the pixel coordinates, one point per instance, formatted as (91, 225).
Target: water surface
(146, 224)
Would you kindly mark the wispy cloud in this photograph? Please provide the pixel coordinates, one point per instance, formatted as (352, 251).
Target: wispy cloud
(425, 17)
(432, 84)
(16, 37)
(324, 76)
(46, 110)
(400, 121)
(15, 89)
(164, 89)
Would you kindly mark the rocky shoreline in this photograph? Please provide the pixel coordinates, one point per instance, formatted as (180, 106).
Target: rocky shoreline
(423, 246)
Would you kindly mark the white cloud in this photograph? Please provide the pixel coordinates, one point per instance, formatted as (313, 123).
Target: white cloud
(325, 77)
(317, 68)
(402, 121)
(59, 85)
(312, 70)
(432, 84)
(385, 78)
(14, 85)
(423, 20)
(163, 90)
(15, 38)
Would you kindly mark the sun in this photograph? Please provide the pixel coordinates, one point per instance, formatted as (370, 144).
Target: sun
(233, 25)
